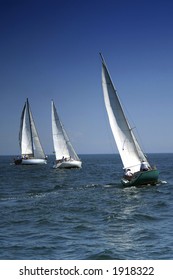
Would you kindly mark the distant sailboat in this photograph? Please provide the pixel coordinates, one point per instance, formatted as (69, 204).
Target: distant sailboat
(130, 152)
(65, 154)
(30, 146)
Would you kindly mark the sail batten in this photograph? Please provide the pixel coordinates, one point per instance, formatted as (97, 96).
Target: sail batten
(128, 147)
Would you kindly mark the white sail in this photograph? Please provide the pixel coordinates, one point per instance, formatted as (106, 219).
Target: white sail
(25, 135)
(128, 147)
(62, 145)
(28, 136)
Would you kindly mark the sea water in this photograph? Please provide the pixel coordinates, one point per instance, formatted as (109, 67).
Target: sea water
(86, 213)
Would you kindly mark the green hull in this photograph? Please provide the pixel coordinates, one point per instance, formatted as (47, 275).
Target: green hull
(149, 177)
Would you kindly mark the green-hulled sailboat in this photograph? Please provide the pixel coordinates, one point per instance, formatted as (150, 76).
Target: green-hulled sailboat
(130, 152)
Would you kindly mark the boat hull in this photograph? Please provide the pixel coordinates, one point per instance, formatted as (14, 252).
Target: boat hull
(32, 161)
(149, 177)
(68, 164)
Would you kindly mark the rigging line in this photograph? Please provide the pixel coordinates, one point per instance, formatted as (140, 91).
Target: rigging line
(136, 131)
(30, 125)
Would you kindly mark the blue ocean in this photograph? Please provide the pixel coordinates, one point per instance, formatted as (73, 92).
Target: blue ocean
(84, 214)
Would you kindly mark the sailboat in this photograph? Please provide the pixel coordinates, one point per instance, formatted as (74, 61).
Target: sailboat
(65, 154)
(30, 146)
(131, 154)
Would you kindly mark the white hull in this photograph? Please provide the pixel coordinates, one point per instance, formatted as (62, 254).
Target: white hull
(32, 161)
(68, 164)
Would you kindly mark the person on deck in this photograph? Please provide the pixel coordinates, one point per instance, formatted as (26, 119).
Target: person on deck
(144, 166)
(128, 174)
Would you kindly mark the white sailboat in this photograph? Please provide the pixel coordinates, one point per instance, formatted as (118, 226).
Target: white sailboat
(65, 154)
(30, 146)
(130, 152)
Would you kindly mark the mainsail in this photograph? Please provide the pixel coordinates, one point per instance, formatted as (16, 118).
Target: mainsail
(62, 145)
(128, 147)
(28, 137)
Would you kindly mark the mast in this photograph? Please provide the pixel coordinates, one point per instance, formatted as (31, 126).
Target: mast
(28, 110)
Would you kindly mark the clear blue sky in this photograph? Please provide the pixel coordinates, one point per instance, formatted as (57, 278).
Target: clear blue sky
(49, 49)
